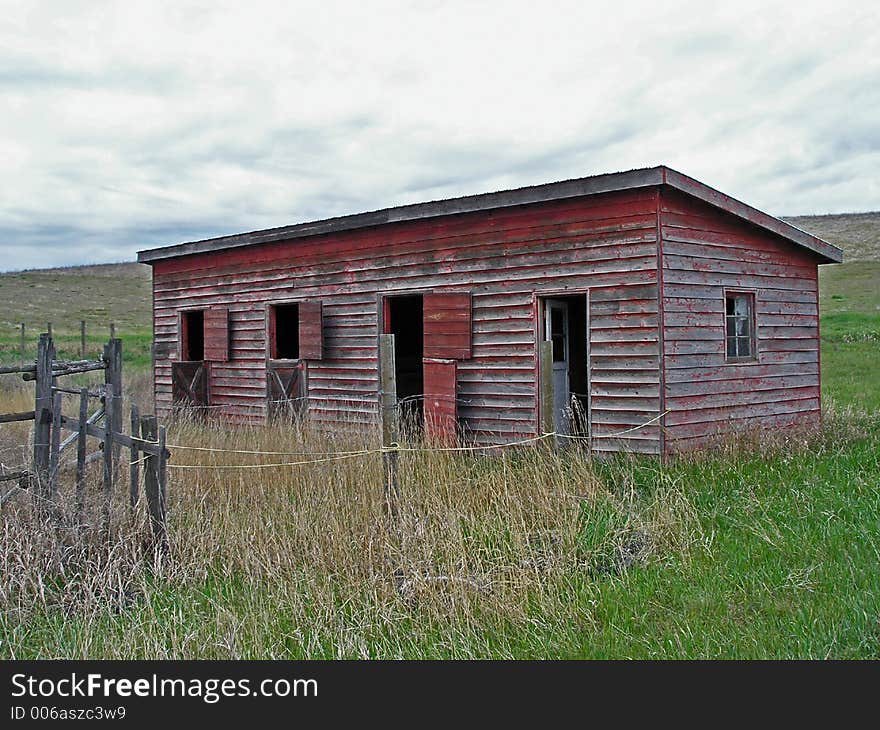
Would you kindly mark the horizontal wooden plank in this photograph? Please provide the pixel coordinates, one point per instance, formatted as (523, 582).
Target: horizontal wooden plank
(689, 436)
(736, 411)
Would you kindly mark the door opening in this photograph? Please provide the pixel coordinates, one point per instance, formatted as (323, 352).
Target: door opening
(193, 340)
(404, 320)
(565, 325)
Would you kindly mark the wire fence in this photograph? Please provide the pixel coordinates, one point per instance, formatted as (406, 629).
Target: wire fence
(332, 456)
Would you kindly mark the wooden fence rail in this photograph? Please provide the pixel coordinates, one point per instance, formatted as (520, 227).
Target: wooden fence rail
(146, 437)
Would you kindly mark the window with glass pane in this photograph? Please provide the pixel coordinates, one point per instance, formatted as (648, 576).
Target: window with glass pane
(557, 334)
(740, 325)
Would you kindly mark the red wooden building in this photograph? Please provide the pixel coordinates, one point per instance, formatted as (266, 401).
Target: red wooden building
(666, 302)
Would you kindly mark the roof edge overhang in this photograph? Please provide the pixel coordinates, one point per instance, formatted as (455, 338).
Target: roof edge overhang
(593, 185)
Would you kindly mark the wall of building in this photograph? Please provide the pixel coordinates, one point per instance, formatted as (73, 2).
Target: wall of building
(705, 250)
(504, 258)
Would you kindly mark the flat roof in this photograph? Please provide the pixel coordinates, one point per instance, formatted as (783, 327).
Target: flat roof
(595, 184)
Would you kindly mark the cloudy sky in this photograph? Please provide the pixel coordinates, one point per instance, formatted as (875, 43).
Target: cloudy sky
(127, 125)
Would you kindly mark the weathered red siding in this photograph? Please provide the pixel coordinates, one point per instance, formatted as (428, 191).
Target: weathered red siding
(624, 365)
(441, 402)
(503, 258)
(217, 334)
(705, 250)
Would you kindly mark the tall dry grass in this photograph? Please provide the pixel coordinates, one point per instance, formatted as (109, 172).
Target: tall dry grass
(304, 560)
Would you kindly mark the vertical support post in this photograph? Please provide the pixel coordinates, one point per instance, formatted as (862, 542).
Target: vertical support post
(390, 423)
(82, 339)
(54, 448)
(49, 329)
(134, 469)
(42, 412)
(113, 330)
(113, 390)
(154, 486)
(81, 453)
(23, 348)
(112, 420)
(109, 460)
(545, 369)
(162, 474)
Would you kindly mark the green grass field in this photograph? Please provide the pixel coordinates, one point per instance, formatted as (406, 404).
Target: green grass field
(766, 548)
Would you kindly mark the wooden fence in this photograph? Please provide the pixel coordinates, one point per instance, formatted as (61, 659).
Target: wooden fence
(105, 424)
(83, 340)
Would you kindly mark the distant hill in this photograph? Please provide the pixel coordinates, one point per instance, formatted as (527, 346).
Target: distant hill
(858, 234)
(99, 294)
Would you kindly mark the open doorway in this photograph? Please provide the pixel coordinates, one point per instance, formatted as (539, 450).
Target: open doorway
(404, 320)
(284, 331)
(193, 336)
(565, 325)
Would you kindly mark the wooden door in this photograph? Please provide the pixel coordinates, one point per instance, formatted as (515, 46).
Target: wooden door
(189, 385)
(286, 391)
(557, 331)
(441, 401)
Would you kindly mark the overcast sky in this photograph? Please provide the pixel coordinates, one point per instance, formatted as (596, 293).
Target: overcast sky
(127, 125)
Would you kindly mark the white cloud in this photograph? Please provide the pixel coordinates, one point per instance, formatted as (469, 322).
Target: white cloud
(128, 125)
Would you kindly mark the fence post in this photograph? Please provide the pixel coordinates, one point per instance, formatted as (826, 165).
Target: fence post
(42, 412)
(113, 330)
(133, 469)
(390, 421)
(162, 474)
(109, 461)
(113, 391)
(54, 447)
(154, 479)
(49, 329)
(81, 453)
(82, 337)
(23, 349)
(548, 405)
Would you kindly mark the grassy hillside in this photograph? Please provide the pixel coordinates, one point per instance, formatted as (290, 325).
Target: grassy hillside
(117, 293)
(858, 234)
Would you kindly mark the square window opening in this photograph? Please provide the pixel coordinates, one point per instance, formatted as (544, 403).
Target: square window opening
(285, 332)
(740, 325)
(193, 348)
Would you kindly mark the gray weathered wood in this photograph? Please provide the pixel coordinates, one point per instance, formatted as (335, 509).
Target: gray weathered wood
(54, 447)
(68, 424)
(82, 336)
(120, 440)
(154, 480)
(62, 369)
(43, 411)
(23, 349)
(12, 417)
(49, 329)
(162, 474)
(23, 368)
(133, 469)
(113, 330)
(110, 450)
(75, 391)
(388, 385)
(113, 391)
(390, 420)
(545, 368)
(81, 436)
